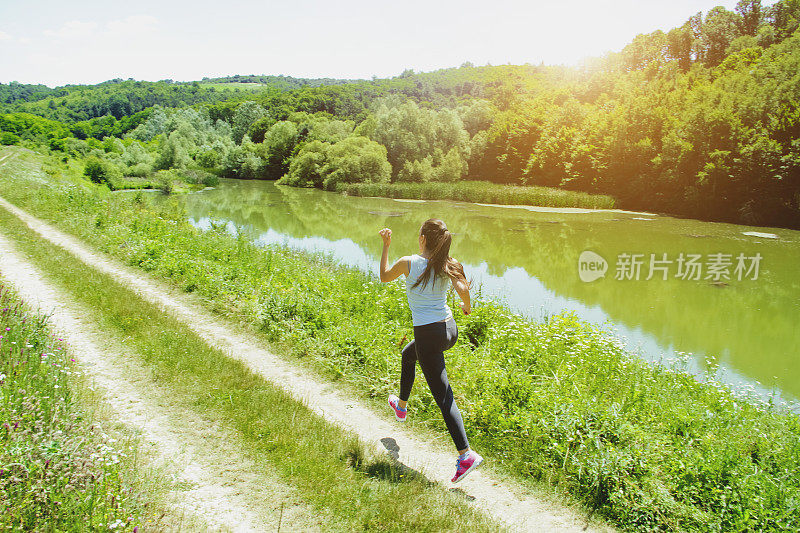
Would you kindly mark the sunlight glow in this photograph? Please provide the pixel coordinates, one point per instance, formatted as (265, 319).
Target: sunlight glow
(93, 41)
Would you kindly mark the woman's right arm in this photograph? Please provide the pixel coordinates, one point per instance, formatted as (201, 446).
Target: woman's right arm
(400, 267)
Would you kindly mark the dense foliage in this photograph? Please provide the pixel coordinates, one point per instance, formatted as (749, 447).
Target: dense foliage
(702, 120)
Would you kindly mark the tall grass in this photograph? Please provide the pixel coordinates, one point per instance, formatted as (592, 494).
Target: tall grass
(481, 192)
(560, 401)
(59, 468)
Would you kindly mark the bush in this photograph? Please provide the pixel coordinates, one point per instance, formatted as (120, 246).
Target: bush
(96, 170)
(141, 170)
(210, 180)
(199, 177)
(57, 145)
(73, 147)
(164, 179)
(208, 159)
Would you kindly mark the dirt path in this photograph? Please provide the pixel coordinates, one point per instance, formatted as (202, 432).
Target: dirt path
(219, 488)
(507, 501)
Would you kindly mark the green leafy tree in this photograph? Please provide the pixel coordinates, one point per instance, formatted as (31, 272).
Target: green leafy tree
(645, 49)
(784, 17)
(208, 158)
(247, 114)
(278, 145)
(452, 167)
(172, 152)
(259, 128)
(307, 168)
(750, 16)
(720, 28)
(476, 116)
(95, 170)
(355, 159)
(419, 171)
(680, 42)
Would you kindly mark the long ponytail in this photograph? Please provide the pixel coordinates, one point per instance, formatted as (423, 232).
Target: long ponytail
(437, 242)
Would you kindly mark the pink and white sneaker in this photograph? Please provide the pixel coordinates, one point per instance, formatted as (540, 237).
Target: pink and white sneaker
(467, 465)
(399, 414)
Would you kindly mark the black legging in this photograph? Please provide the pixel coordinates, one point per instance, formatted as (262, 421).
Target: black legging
(430, 342)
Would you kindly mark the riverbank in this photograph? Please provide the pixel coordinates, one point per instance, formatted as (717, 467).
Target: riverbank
(558, 402)
(481, 192)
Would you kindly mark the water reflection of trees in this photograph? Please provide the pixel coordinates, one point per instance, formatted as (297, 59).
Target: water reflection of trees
(751, 321)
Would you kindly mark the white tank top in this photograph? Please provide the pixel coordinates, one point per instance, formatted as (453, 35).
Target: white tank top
(427, 304)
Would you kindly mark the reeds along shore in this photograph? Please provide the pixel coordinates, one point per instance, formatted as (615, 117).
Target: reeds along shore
(482, 192)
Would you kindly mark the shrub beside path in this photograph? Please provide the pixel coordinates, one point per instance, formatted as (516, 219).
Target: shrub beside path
(510, 503)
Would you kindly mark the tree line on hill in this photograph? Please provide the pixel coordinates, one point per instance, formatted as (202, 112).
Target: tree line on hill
(701, 121)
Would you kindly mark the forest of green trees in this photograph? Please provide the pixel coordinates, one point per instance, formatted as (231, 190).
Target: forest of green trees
(700, 121)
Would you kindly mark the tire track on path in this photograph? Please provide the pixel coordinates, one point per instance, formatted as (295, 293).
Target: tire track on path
(507, 501)
(219, 487)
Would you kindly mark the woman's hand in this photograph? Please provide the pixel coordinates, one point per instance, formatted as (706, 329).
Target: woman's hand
(465, 307)
(386, 235)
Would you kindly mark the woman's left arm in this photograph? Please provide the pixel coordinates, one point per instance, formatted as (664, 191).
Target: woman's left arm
(400, 267)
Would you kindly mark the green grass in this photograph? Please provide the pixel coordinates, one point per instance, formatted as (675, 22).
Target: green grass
(58, 466)
(560, 402)
(361, 492)
(481, 192)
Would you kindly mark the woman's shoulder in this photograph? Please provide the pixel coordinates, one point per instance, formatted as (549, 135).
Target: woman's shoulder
(416, 264)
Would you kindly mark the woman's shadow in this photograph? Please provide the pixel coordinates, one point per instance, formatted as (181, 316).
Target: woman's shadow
(392, 469)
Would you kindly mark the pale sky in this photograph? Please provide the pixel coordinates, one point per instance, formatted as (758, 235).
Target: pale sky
(89, 41)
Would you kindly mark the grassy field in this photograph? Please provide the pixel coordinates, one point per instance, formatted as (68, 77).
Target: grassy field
(235, 86)
(481, 192)
(277, 432)
(560, 402)
(62, 462)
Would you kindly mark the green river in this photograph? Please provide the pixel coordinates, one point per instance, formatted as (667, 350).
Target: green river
(729, 298)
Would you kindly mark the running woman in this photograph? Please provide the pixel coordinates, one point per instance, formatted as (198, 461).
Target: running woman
(427, 279)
